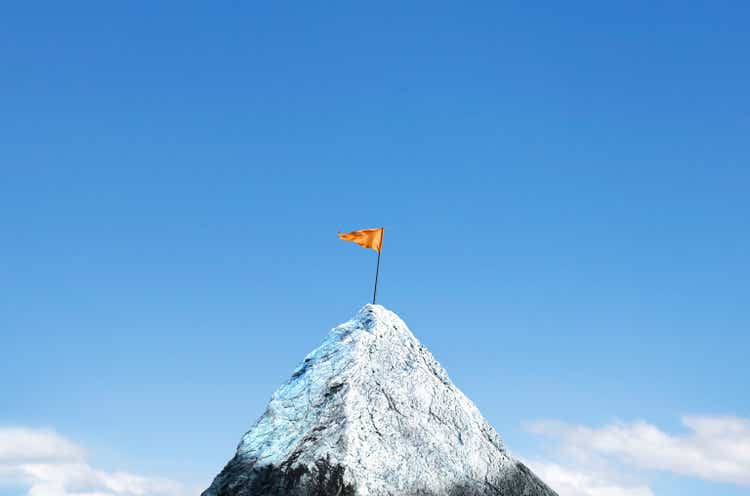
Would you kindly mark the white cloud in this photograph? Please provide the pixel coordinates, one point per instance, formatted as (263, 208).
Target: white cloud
(715, 448)
(576, 482)
(47, 464)
(19, 444)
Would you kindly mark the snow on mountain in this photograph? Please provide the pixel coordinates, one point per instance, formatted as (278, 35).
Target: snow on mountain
(371, 412)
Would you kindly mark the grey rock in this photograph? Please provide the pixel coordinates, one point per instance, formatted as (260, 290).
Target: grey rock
(371, 413)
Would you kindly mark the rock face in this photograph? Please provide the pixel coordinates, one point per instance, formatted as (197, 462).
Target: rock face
(371, 412)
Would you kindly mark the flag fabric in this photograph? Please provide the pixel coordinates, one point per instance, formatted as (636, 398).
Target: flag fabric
(367, 238)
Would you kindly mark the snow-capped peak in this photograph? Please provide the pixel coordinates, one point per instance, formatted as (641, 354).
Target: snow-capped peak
(373, 413)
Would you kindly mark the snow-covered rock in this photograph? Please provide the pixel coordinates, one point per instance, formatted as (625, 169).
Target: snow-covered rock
(371, 412)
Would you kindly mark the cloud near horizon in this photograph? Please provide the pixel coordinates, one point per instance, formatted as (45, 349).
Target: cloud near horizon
(47, 464)
(587, 481)
(713, 448)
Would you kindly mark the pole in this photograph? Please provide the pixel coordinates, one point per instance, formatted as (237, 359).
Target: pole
(377, 271)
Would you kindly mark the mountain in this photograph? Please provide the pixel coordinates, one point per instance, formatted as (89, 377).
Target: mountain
(371, 412)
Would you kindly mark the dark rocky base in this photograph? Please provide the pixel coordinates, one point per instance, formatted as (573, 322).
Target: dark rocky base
(237, 479)
(240, 478)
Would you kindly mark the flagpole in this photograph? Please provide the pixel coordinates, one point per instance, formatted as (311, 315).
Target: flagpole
(377, 271)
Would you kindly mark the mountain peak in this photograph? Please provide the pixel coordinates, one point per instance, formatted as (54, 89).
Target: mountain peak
(371, 412)
(371, 315)
(377, 319)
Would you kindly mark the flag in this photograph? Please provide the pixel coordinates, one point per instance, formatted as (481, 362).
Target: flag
(367, 238)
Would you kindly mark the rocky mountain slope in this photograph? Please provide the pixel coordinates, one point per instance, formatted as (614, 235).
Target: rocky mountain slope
(371, 412)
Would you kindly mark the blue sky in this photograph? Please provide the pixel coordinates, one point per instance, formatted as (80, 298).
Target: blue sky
(564, 191)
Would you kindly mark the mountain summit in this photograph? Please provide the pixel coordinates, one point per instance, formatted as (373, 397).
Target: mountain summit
(371, 412)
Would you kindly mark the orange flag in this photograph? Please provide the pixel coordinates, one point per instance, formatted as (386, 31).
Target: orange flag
(368, 238)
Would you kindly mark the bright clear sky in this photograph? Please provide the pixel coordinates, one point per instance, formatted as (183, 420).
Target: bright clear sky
(564, 191)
